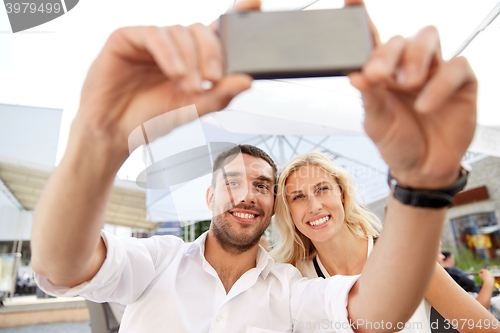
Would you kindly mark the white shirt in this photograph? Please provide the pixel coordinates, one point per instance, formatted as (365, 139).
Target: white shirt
(168, 286)
(418, 323)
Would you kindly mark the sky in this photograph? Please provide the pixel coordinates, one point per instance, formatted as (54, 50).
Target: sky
(46, 66)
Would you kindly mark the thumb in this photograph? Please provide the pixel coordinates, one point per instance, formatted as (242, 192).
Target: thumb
(377, 114)
(373, 28)
(240, 6)
(219, 96)
(246, 5)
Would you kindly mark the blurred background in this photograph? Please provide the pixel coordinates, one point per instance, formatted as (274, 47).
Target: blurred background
(41, 73)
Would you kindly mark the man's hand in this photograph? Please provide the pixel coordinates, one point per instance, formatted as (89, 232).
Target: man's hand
(486, 276)
(143, 72)
(484, 296)
(420, 110)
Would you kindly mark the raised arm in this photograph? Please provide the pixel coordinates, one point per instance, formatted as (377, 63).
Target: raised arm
(421, 114)
(141, 73)
(487, 288)
(463, 312)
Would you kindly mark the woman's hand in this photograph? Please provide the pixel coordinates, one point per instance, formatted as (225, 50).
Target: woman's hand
(420, 110)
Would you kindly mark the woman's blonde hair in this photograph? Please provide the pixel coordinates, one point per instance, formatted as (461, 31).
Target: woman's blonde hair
(291, 246)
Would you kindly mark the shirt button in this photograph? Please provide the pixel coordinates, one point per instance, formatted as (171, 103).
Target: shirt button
(219, 318)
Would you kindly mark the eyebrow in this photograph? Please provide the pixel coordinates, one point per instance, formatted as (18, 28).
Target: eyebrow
(316, 185)
(231, 174)
(239, 174)
(265, 178)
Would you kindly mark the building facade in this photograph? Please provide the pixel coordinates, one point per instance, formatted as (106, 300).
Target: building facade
(472, 222)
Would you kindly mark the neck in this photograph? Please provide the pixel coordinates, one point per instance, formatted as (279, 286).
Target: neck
(229, 265)
(343, 254)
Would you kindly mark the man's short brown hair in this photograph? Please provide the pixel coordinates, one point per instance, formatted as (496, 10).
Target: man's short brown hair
(244, 149)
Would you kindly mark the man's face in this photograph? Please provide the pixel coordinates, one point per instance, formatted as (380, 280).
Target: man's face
(242, 202)
(441, 258)
(449, 262)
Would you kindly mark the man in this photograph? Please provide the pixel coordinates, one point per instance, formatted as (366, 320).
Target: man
(420, 112)
(483, 293)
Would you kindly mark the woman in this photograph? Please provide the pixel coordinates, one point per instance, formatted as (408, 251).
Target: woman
(320, 229)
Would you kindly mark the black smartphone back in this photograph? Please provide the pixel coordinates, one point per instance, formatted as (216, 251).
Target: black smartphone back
(290, 44)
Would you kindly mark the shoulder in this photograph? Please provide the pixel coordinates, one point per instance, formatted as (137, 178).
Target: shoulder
(168, 240)
(454, 271)
(303, 269)
(151, 242)
(158, 248)
(307, 268)
(284, 269)
(171, 246)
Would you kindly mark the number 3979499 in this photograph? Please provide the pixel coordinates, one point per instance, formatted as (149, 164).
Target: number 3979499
(31, 7)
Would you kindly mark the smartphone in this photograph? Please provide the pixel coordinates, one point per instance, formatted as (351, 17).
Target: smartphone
(291, 44)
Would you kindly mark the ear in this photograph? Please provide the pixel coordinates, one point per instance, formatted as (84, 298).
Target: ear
(210, 197)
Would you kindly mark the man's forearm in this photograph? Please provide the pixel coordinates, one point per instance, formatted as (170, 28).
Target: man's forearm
(484, 296)
(392, 283)
(70, 212)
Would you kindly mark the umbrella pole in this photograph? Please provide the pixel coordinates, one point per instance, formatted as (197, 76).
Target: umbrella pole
(486, 22)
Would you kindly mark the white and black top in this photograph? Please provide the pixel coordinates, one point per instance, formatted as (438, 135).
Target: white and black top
(418, 323)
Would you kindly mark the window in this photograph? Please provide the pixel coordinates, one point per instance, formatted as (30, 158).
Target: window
(479, 233)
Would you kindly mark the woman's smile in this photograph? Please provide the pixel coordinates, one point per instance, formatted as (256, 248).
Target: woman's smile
(319, 222)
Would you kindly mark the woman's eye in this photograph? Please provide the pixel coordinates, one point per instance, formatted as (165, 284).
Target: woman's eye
(323, 189)
(298, 197)
(232, 183)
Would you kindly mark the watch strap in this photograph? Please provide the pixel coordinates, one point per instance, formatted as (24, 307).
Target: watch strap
(425, 198)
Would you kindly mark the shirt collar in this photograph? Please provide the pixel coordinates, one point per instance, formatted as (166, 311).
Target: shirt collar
(264, 261)
(198, 245)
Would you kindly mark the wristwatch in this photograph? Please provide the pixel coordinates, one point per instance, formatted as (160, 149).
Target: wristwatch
(437, 198)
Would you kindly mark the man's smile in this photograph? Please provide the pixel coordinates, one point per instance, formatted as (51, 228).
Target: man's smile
(244, 215)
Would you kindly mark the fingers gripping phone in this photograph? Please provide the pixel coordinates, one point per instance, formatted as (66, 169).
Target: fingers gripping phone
(267, 45)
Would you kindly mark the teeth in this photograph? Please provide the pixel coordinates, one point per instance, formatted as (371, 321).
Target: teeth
(244, 216)
(319, 221)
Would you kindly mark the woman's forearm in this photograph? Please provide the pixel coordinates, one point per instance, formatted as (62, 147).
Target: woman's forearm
(397, 274)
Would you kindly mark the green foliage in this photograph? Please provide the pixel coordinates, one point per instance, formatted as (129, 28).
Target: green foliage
(465, 260)
(201, 227)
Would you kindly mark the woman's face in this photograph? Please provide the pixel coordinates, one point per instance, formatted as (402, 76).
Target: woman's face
(316, 203)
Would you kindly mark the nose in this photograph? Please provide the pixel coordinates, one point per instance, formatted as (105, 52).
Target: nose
(251, 195)
(314, 205)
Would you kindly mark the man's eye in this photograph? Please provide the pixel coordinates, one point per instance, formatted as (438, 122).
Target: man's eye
(232, 183)
(263, 188)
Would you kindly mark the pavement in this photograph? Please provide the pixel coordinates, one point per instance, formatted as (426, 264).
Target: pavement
(75, 327)
(33, 303)
(33, 314)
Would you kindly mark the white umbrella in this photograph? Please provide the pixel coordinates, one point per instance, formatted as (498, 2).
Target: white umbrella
(287, 117)
(185, 201)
